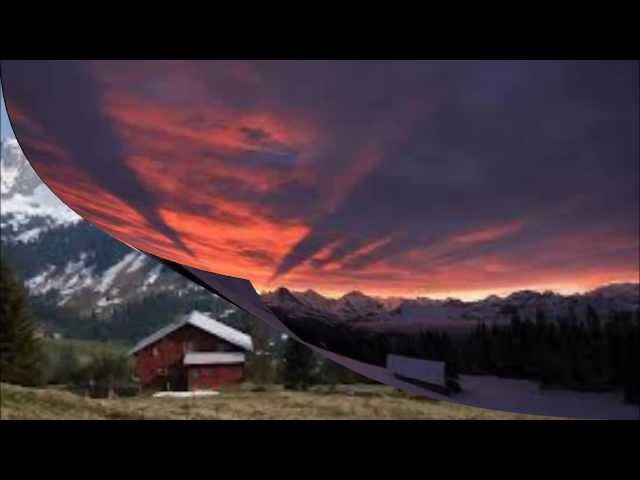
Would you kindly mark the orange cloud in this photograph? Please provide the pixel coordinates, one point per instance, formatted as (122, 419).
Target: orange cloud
(488, 234)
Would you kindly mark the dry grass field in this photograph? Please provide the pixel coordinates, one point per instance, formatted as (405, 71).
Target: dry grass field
(243, 402)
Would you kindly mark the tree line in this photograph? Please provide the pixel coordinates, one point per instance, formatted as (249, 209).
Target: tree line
(590, 356)
(594, 355)
(102, 374)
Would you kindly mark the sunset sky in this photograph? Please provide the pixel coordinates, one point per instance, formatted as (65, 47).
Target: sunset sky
(426, 178)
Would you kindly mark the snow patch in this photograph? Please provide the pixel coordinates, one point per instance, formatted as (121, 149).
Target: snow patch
(227, 312)
(42, 203)
(110, 274)
(105, 302)
(29, 235)
(152, 277)
(74, 277)
(10, 173)
(138, 263)
(189, 394)
(38, 284)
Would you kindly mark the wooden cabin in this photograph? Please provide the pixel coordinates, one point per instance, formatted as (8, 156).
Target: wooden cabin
(194, 353)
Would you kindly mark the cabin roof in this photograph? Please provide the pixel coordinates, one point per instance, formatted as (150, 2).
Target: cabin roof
(203, 322)
(213, 358)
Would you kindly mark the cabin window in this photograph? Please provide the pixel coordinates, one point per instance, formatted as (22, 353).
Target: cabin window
(188, 346)
(155, 351)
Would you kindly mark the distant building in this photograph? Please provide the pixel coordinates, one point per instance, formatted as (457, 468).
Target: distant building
(194, 353)
(45, 332)
(428, 374)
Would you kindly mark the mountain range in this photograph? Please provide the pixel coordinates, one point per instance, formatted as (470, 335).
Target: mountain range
(423, 312)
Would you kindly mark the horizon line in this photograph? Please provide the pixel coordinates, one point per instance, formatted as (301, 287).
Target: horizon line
(504, 293)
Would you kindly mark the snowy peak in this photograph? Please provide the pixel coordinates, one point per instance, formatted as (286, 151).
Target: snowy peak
(313, 299)
(629, 291)
(29, 208)
(282, 296)
(356, 306)
(17, 176)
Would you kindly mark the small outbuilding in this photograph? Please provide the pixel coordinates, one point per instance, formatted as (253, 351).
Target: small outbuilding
(194, 353)
(428, 374)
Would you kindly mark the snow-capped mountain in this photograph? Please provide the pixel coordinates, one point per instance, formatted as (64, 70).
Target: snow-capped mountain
(353, 306)
(64, 259)
(358, 307)
(28, 206)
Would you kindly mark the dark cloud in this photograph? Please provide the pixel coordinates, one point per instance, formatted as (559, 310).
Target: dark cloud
(455, 160)
(254, 134)
(504, 142)
(260, 256)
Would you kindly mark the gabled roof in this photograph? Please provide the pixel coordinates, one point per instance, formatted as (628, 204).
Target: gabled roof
(203, 322)
(213, 358)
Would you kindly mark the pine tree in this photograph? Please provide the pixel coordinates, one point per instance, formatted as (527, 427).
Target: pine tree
(20, 353)
(298, 366)
(593, 321)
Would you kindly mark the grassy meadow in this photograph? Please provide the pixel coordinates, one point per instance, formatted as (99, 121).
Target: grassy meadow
(245, 401)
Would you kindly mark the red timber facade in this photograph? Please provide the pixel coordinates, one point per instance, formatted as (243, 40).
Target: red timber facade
(195, 353)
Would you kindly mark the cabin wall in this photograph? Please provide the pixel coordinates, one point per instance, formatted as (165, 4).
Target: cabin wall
(160, 363)
(206, 377)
